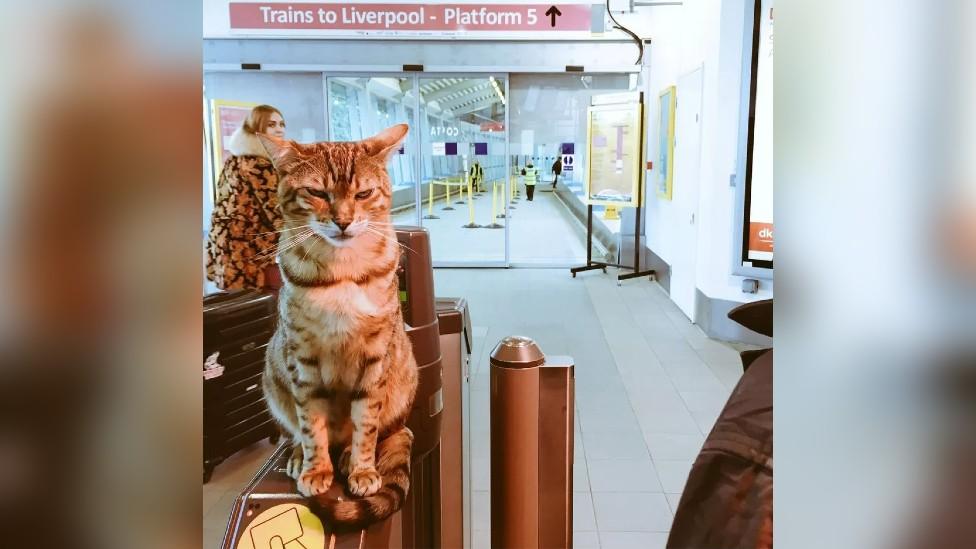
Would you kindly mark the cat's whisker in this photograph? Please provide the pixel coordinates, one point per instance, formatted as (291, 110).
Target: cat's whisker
(402, 245)
(290, 241)
(310, 248)
(281, 231)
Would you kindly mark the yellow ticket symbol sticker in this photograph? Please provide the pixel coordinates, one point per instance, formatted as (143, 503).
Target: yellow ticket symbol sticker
(286, 526)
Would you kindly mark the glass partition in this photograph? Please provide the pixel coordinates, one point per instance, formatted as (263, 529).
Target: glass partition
(463, 148)
(548, 122)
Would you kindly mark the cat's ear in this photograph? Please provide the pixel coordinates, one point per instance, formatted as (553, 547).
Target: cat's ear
(283, 154)
(387, 143)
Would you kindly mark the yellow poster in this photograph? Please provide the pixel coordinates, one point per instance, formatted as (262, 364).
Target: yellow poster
(614, 171)
(225, 118)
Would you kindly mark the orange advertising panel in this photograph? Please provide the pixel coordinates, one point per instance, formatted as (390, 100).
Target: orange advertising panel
(761, 237)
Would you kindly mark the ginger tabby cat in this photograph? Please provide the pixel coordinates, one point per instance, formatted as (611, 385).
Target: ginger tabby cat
(340, 373)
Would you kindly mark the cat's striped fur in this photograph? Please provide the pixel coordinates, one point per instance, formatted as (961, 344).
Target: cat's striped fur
(340, 371)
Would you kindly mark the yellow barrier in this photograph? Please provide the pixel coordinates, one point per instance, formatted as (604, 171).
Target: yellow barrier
(447, 196)
(471, 224)
(430, 202)
(493, 224)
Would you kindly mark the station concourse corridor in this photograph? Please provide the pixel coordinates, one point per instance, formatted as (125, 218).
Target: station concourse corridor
(649, 386)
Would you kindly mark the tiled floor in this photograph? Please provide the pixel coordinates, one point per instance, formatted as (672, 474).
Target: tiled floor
(648, 387)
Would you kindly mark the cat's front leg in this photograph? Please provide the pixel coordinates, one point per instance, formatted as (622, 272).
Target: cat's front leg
(316, 474)
(364, 480)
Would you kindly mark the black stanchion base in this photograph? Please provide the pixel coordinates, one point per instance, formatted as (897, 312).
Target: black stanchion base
(590, 267)
(635, 274)
(500, 216)
(432, 217)
(461, 202)
(447, 208)
(471, 226)
(494, 226)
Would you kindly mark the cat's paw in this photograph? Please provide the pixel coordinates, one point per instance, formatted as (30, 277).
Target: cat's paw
(312, 482)
(365, 483)
(344, 460)
(293, 467)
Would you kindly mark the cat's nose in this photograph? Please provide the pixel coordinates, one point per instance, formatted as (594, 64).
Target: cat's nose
(342, 225)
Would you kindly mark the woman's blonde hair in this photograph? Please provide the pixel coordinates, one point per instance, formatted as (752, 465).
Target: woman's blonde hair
(257, 121)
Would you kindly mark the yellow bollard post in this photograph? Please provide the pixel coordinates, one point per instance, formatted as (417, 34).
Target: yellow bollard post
(460, 184)
(447, 196)
(430, 201)
(514, 188)
(493, 224)
(471, 224)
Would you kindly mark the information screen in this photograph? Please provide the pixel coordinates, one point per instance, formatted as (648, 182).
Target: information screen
(758, 226)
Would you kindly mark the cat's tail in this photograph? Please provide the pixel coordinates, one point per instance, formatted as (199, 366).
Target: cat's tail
(393, 465)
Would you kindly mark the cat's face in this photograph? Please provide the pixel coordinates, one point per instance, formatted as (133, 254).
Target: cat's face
(341, 191)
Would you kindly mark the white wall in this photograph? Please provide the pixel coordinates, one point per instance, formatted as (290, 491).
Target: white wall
(704, 33)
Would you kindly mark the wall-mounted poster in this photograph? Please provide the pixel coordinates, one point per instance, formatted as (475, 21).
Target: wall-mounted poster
(614, 140)
(226, 117)
(665, 155)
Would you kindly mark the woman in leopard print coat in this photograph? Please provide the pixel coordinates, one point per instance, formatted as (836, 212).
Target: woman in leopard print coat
(245, 213)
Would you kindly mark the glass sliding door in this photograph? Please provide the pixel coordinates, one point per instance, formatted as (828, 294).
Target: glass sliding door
(451, 175)
(548, 123)
(362, 106)
(463, 165)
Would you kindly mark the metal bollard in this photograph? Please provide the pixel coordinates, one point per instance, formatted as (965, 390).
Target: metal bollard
(532, 400)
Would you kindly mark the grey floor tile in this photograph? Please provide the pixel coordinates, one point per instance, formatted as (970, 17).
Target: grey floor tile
(583, 519)
(673, 500)
(480, 474)
(697, 381)
(586, 540)
(675, 422)
(480, 510)
(581, 476)
(481, 539)
(706, 419)
(703, 401)
(631, 512)
(671, 446)
(623, 475)
(727, 373)
(673, 474)
(616, 418)
(633, 540)
(614, 445)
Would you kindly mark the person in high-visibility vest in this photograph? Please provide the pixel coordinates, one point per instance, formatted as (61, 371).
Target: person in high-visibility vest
(531, 174)
(477, 174)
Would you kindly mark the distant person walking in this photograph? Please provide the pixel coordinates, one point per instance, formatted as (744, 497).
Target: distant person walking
(557, 170)
(531, 174)
(477, 174)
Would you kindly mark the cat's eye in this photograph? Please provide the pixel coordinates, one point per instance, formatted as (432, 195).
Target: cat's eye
(320, 193)
(363, 195)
